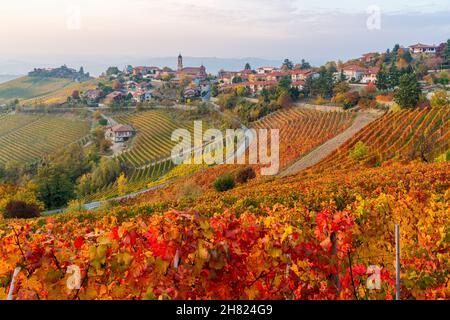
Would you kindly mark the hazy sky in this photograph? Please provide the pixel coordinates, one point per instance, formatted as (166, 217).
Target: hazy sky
(314, 29)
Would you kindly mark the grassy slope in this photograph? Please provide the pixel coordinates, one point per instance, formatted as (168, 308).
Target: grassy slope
(36, 90)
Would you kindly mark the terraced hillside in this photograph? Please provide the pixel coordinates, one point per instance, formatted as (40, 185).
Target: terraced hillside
(302, 130)
(27, 138)
(403, 135)
(147, 160)
(153, 142)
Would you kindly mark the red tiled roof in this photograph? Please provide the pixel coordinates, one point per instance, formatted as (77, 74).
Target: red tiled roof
(354, 68)
(121, 128)
(422, 46)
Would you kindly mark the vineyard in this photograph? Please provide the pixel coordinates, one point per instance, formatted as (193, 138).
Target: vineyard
(153, 142)
(27, 138)
(148, 159)
(266, 240)
(302, 130)
(403, 135)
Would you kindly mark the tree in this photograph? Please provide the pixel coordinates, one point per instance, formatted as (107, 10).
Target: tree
(446, 52)
(394, 76)
(247, 66)
(121, 184)
(341, 87)
(287, 65)
(440, 99)
(54, 186)
(214, 90)
(237, 80)
(383, 79)
(284, 100)
(409, 91)
(112, 70)
(305, 65)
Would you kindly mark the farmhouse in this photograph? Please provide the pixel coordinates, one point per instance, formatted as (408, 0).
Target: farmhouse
(119, 133)
(370, 75)
(422, 49)
(93, 97)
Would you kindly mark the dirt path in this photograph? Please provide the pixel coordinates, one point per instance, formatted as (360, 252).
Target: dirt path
(320, 153)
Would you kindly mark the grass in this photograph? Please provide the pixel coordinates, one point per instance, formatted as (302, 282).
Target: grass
(33, 90)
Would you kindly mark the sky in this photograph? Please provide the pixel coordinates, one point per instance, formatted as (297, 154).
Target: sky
(317, 30)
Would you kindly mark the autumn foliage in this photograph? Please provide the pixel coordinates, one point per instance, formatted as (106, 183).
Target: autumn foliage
(305, 238)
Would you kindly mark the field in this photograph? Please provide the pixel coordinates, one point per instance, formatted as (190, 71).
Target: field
(153, 142)
(147, 160)
(32, 90)
(302, 130)
(27, 138)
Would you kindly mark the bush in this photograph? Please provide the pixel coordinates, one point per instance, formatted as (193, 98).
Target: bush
(21, 210)
(224, 183)
(245, 174)
(359, 151)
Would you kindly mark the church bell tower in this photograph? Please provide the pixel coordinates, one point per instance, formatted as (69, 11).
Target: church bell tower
(180, 62)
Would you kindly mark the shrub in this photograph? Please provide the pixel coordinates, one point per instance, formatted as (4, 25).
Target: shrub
(320, 101)
(21, 210)
(224, 183)
(245, 174)
(359, 151)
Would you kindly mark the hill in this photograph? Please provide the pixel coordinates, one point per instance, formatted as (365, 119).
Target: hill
(31, 90)
(27, 138)
(263, 240)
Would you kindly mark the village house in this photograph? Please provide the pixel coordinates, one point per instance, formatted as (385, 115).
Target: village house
(299, 84)
(353, 72)
(254, 87)
(302, 74)
(119, 133)
(93, 97)
(420, 48)
(277, 76)
(142, 96)
(115, 96)
(142, 70)
(266, 70)
(369, 57)
(226, 77)
(370, 75)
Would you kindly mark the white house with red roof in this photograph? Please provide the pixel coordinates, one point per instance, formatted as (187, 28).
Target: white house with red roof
(370, 75)
(119, 133)
(353, 72)
(421, 48)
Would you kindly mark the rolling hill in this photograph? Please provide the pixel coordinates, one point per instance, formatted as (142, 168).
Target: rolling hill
(33, 90)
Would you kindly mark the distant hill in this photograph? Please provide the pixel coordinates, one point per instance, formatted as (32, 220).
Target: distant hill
(31, 90)
(8, 77)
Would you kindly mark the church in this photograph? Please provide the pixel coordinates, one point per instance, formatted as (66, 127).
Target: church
(196, 73)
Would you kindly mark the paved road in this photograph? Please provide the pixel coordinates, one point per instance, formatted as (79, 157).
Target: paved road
(362, 119)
